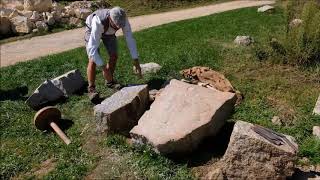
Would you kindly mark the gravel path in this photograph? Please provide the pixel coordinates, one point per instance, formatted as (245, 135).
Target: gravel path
(35, 47)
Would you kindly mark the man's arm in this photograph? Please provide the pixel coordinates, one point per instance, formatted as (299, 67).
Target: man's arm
(131, 43)
(94, 41)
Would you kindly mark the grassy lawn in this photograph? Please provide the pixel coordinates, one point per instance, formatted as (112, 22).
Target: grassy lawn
(269, 90)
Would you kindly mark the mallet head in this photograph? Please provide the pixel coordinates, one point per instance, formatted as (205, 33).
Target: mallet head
(46, 115)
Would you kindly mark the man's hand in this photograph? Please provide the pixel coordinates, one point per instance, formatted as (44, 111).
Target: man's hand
(137, 68)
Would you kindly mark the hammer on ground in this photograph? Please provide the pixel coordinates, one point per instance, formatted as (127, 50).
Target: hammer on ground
(46, 118)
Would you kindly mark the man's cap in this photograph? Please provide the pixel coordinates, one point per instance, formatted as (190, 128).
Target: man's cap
(118, 16)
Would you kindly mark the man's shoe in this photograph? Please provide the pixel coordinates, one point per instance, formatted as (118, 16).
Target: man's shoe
(114, 85)
(93, 95)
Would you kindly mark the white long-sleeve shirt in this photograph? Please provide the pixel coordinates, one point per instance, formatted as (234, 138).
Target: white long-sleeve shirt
(97, 29)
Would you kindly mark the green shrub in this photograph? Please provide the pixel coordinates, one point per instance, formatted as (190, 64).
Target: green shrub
(298, 45)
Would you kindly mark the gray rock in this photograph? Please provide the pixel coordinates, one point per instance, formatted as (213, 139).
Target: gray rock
(316, 131)
(121, 112)
(14, 14)
(316, 109)
(38, 5)
(5, 27)
(49, 18)
(45, 93)
(251, 156)
(82, 13)
(69, 82)
(243, 40)
(35, 16)
(42, 26)
(27, 14)
(266, 8)
(75, 22)
(21, 24)
(181, 116)
(149, 68)
(5, 12)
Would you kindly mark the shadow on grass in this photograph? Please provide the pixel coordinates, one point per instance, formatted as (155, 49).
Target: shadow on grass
(210, 148)
(15, 94)
(301, 175)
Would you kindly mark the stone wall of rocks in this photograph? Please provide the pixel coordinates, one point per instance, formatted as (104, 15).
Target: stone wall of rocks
(23, 17)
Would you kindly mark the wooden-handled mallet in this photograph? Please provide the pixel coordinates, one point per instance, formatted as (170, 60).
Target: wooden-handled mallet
(46, 118)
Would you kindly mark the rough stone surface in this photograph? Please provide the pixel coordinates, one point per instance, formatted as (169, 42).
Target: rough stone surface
(276, 120)
(5, 12)
(75, 22)
(38, 5)
(316, 109)
(12, 4)
(69, 82)
(266, 8)
(215, 174)
(5, 27)
(316, 131)
(35, 16)
(182, 116)
(251, 156)
(14, 14)
(121, 112)
(83, 13)
(243, 40)
(45, 93)
(21, 24)
(42, 26)
(149, 68)
(50, 19)
(296, 23)
(27, 14)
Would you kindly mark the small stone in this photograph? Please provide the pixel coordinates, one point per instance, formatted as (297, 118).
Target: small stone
(21, 24)
(45, 93)
(244, 40)
(5, 12)
(35, 16)
(255, 152)
(182, 116)
(316, 131)
(14, 14)
(42, 26)
(27, 14)
(149, 68)
(82, 13)
(38, 5)
(266, 8)
(316, 109)
(296, 23)
(69, 82)
(121, 112)
(35, 30)
(75, 21)
(276, 120)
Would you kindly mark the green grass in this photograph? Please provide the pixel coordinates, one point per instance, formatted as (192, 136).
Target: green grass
(269, 90)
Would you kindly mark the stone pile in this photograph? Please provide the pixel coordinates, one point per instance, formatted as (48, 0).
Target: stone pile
(243, 40)
(39, 15)
(55, 89)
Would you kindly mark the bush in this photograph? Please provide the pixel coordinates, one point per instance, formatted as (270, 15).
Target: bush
(298, 45)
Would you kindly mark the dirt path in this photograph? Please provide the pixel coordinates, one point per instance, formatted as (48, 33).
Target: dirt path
(35, 47)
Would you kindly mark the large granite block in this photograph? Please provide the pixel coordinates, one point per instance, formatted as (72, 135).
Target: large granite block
(121, 112)
(182, 116)
(255, 152)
